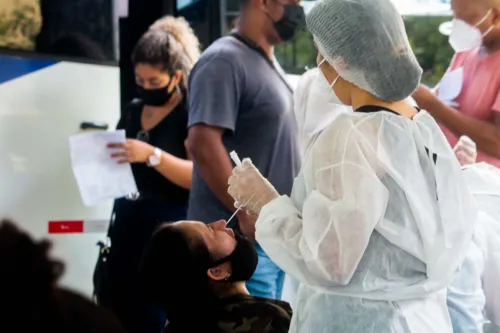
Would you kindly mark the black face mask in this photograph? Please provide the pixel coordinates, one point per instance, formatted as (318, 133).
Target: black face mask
(155, 97)
(292, 21)
(243, 260)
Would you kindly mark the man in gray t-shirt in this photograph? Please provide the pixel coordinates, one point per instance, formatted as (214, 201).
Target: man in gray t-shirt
(239, 100)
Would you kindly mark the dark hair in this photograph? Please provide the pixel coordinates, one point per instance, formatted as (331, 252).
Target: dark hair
(161, 48)
(32, 301)
(173, 274)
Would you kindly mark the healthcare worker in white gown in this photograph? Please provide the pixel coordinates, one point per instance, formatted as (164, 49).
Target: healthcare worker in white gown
(380, 217)
(315, 109)
(484, 182)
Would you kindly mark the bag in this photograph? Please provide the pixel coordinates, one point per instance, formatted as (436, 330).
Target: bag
(101, 277)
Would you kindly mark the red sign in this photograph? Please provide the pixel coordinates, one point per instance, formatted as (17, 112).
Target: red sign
(66, 227)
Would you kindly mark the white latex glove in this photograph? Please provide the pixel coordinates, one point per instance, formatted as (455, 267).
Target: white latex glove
(466, 151)
(249, 188)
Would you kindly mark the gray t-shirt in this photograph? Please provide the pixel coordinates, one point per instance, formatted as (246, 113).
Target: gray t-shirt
(235, 88)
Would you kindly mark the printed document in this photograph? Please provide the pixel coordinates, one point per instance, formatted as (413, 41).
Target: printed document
(99, 176)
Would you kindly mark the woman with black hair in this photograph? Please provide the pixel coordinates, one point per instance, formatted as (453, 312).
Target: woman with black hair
(156, 131)
(197, 273)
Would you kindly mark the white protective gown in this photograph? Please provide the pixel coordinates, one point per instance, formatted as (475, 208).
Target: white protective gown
(313, 111)
(378, 221)
(466, 299)
(484, 182)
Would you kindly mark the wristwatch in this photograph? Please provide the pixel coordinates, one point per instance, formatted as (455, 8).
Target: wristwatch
(155, 159)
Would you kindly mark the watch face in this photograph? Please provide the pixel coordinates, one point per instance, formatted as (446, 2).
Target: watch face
(154, 160)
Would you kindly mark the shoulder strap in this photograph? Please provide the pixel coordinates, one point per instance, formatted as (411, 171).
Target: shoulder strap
(256, 48)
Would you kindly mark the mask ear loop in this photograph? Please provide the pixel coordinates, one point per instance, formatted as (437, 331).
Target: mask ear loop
(484, 19)
(338, 75)
(487, 31)
(335, 81)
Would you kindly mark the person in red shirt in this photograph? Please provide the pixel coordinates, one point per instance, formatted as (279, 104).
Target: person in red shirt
(475, 68)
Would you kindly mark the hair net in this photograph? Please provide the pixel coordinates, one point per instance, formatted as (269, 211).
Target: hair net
(365, 41)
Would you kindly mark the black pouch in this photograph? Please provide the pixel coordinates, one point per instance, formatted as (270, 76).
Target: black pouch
(102, 270)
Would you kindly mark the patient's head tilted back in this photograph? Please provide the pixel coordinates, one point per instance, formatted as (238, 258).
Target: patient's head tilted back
(31, 299)
(188, 266)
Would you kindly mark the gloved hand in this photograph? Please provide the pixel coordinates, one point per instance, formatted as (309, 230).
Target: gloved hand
(466, 151)
(249, 188)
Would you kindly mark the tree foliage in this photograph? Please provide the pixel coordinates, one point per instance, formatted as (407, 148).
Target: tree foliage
(430, 46)
(20, 25)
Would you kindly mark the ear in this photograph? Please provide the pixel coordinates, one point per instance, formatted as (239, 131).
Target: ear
(219, 273)
(496, 15)
(259, 3)
(178, 77)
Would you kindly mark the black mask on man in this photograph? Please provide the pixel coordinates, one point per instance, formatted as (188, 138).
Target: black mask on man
(155, 97)
(292, 21)
(243, 260)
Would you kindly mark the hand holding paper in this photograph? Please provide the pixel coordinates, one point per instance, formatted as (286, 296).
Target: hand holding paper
(98, 176)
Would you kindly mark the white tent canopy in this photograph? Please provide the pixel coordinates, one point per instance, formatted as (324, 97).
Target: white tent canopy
(411, 7)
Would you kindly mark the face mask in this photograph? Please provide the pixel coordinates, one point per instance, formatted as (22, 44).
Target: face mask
(325, 88)
(292, 21)
(155, 97)
(243, 260)
(465, 37)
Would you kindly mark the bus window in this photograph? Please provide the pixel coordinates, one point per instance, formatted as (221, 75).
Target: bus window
(76, 29)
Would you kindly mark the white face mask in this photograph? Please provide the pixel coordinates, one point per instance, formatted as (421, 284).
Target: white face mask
(327, 88)
(465, 37)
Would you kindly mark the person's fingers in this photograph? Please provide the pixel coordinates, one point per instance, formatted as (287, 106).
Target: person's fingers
(465, 152)
(119, 154)
(232, 180)
(465, 159)
(239, 171)
(123, 161)
(466, 146)
(246, 161)
(233, 192)
(116, 145)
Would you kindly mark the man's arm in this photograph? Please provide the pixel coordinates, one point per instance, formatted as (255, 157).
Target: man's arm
(210, 154)
(484, 134)
(214, 99)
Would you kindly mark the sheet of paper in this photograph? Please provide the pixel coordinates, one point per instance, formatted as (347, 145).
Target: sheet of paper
(122, 8)
(100, 177)
(450, 86)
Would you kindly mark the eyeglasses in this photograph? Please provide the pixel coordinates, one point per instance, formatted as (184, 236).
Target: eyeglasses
(143, 136)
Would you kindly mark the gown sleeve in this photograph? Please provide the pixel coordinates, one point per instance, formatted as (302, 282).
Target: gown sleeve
(322, 242)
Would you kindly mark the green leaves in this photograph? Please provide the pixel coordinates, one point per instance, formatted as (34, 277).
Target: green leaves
(20, 26)
(431, 48)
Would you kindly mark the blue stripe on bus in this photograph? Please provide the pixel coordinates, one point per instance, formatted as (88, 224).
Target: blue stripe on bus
(14, 67)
